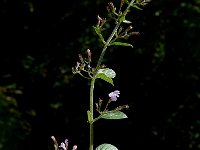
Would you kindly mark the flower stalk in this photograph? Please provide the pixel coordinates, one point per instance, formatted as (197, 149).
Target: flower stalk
(114, 32)
(84, 69)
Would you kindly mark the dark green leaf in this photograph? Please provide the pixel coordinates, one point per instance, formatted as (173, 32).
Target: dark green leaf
(114, 115)
(105, 78)
(121, 44)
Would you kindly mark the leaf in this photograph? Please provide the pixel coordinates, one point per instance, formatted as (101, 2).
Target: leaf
(114, 115)
(121, 44)
(133, 5)
(98, 32)
(106, 74)
(127, 22)
(106, 146)
(105, 78)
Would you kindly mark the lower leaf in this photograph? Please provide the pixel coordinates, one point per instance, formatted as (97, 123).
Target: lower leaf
(106, 146)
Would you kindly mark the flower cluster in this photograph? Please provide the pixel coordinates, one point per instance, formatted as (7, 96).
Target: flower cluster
(83, 65)
(63, 145)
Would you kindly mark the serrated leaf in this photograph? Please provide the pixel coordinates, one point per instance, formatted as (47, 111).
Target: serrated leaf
(121, 44)
(106, 146)
(108, 72)
(114, 115)
(105, 78)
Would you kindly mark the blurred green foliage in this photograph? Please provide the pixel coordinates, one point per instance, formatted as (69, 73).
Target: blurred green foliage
(14, 129)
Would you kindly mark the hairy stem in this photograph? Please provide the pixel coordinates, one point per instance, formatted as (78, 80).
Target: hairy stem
(92, 116)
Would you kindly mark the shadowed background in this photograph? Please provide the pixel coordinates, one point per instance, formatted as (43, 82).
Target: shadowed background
(158, 78)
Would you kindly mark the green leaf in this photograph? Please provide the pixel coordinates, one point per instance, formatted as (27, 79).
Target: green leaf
(98, 32)
(121, 44)
(106, 146)
(106, 74)
(105, 78)
(127, 22)
(133, 5)
(114, 115)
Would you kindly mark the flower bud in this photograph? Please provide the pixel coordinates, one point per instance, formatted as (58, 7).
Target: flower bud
(89, 55)
(81, 58)
(74, 147)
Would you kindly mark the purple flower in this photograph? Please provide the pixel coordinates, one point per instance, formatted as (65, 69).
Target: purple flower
(63, 146)
(114, 95)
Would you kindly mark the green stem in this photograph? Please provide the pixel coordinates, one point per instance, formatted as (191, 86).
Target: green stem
(91, 147)
(93, 82)
(106, 46)
(91, 112)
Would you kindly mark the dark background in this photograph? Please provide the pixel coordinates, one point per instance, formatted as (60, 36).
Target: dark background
(158, 78)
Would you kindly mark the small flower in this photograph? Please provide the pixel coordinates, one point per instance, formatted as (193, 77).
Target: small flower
(114, 95)
(75, 147)
(63, 146)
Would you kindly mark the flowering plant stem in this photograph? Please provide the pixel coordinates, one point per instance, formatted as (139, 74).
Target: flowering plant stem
(118, 23)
